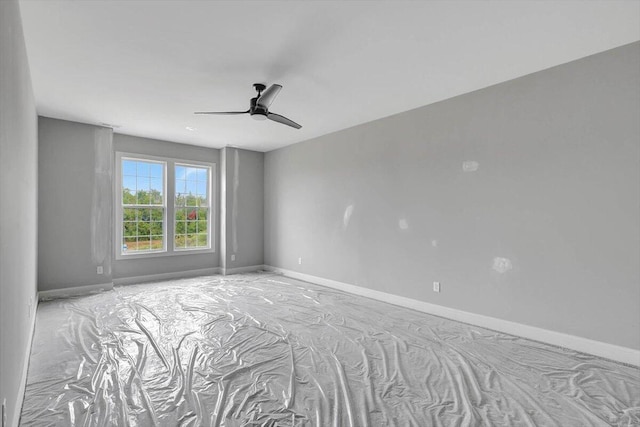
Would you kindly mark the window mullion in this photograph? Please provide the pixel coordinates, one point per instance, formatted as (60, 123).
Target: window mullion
(170, 206)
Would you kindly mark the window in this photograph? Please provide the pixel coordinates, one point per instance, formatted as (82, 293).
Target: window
(191, 207)
(143, 206)
(149, 191)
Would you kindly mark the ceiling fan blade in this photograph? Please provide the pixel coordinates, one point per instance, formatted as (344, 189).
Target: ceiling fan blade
(269, 95)
(282, 119)
(221, 112)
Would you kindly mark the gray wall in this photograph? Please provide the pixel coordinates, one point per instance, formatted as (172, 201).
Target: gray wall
(18, 206)
(74, 204)
(545, 232)
(179, 263)
(242, 208)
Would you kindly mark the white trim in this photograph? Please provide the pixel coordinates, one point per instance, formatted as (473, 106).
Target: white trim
(584, 345)
(25, 365)
(166, 276)
(74, 291)
(223, 208)
(240, 270)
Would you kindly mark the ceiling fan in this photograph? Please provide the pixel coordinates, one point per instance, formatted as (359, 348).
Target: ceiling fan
(259, 106)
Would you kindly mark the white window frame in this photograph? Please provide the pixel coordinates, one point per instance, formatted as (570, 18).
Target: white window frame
(169, 206)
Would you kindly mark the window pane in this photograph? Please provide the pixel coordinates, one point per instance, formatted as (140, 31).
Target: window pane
(142, 190)
(144, 243)
(202, 240)
(128, 214)
(157, 242)
(156, 214)
(181, 172)
(155, 228)
(192, 214)
(155, 170)
(129, 184)
(156, 191)
(130, 229)
(128, 197)
(191, 187)
(142, 183)
(129, 244)
(142, 169)
(191, 200)
(155, 184)
(201, 189)
(143, 229)
(129, 167)
(181, 186)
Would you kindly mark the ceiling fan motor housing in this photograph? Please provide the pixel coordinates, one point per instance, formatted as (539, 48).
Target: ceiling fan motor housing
(256, 110)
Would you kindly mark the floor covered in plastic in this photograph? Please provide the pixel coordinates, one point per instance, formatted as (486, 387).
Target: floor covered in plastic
(265, 350)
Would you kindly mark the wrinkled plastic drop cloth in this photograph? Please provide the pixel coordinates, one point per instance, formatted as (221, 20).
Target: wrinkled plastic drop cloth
(264, 350)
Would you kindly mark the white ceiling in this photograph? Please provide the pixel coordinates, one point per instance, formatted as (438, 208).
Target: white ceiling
(146, 66)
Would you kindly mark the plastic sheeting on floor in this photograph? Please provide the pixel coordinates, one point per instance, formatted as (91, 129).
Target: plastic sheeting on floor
(264, 350)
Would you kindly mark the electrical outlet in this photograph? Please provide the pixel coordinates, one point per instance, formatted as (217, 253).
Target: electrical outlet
(99, 269)
(233, 257)
(300, 260)
(436, 286)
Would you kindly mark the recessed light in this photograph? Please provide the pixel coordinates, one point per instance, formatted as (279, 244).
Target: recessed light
(189, 128)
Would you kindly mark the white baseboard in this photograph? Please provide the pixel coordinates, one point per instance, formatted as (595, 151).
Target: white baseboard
(74, 291)
(25, 365)
(583, 345)
(167, 276)
(240, 270)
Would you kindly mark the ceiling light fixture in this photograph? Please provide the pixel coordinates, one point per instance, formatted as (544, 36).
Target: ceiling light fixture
(189, 128)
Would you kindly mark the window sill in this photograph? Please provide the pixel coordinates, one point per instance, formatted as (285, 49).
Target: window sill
(164, 254)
